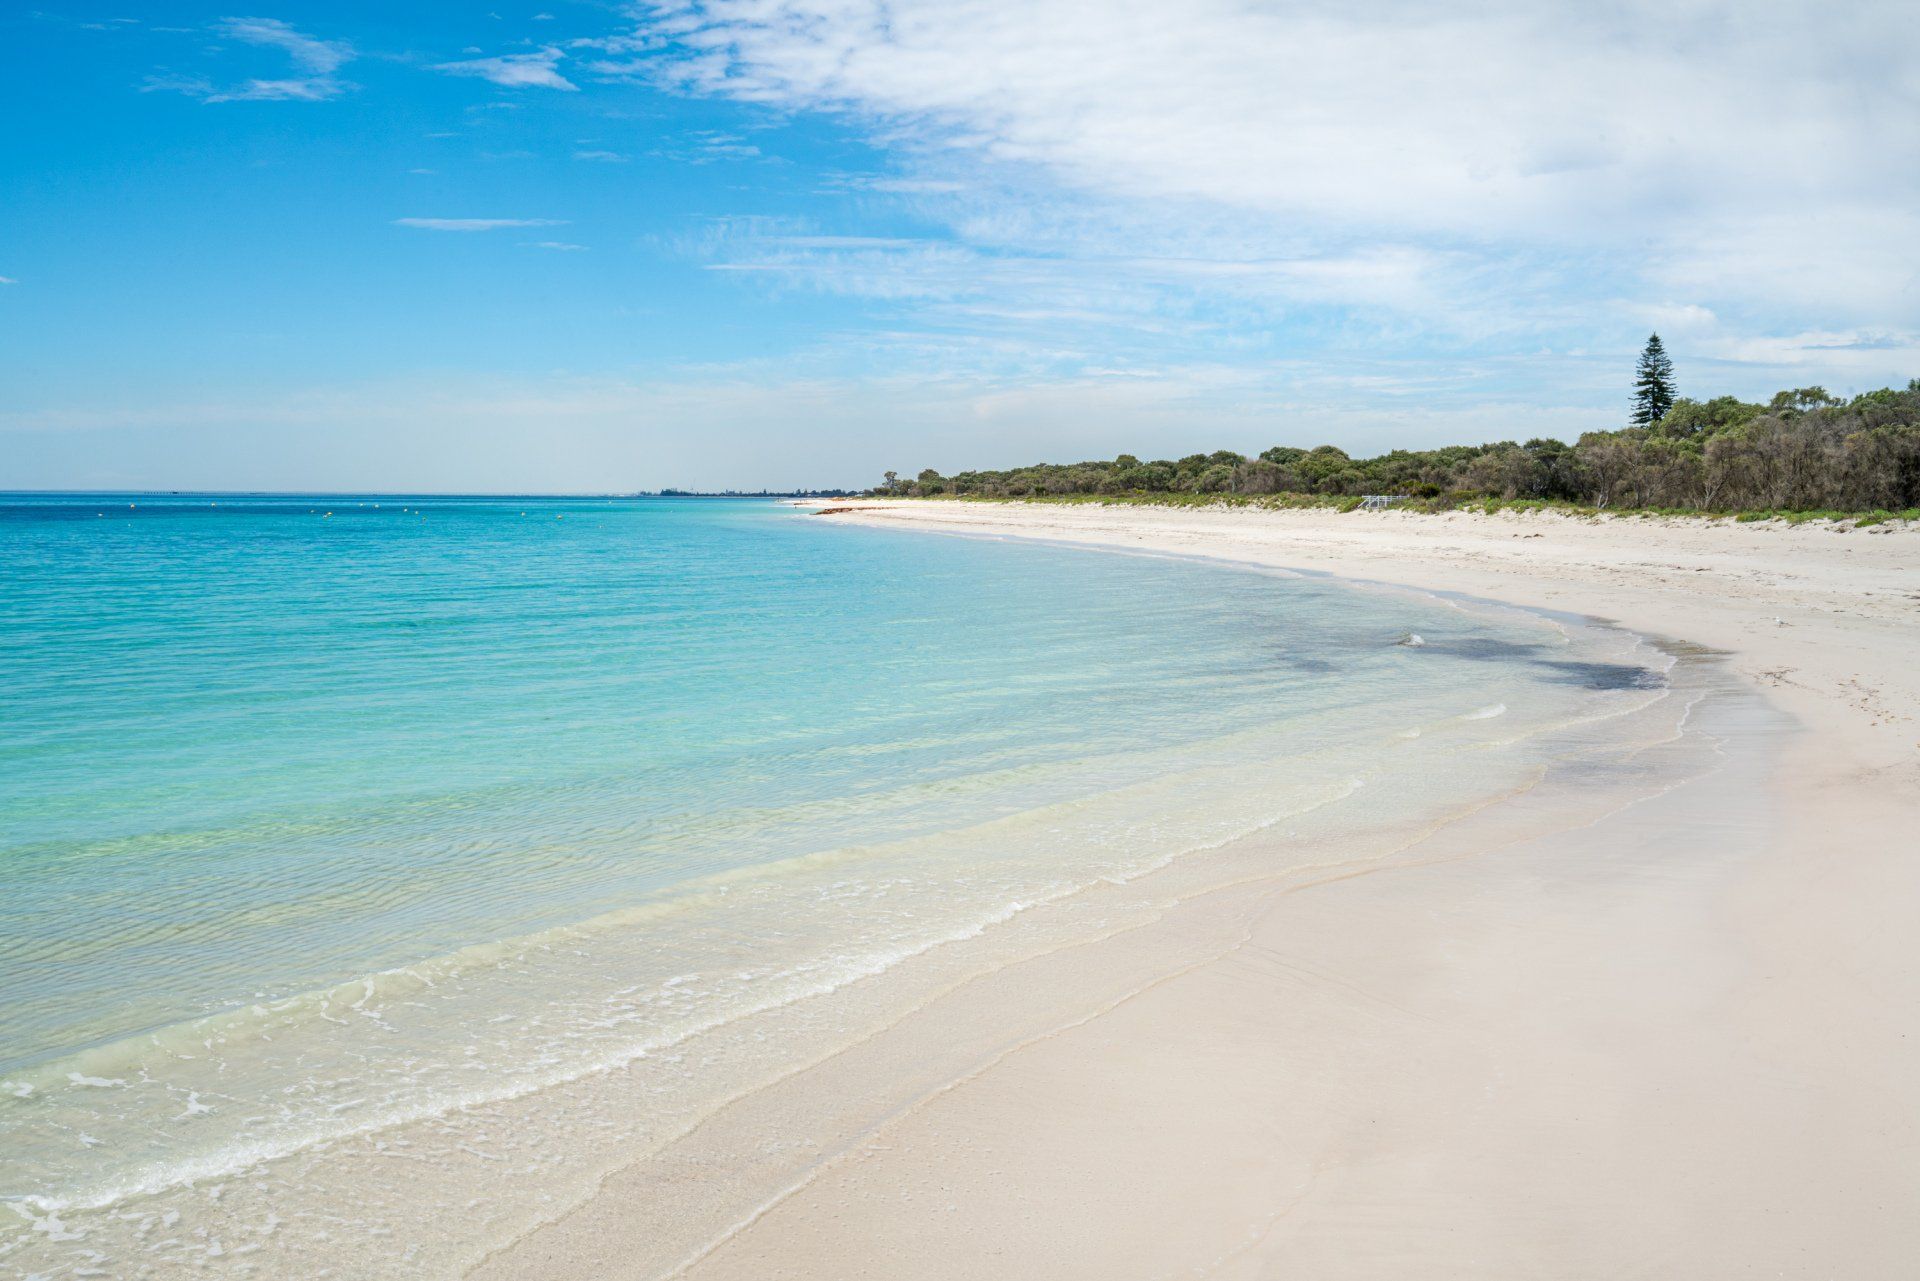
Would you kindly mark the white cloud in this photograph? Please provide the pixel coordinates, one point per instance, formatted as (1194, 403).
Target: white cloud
(309, 89)
(725, 145)
(1860, 355)
(1467, 119)
(318, 59)
(561, 245)
(8, 280)
(907, 186)
(476, 224)
(515, 70)
(605, 157)
(1716, 157)
(708, 146)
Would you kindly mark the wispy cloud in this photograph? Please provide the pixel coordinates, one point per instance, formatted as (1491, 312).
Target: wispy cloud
(725, 145)
(561, 245)
(708, 146)
(317, 59)
(476, 224)
(605, 157)
(628, 66)
(1107, 289)
(8, 280)
(515, 70)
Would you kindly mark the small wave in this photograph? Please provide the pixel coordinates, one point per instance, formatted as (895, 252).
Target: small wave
(1486, 713)
(768, 990)
(238, 1157)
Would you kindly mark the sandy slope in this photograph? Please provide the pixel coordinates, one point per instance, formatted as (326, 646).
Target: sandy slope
(1682, 1042)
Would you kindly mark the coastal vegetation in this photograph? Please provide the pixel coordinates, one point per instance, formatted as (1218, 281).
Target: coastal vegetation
(1802, 454)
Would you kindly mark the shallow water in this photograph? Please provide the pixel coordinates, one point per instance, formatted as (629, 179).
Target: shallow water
(339, 831)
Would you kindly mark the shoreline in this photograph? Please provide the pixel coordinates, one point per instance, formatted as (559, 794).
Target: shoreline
(1600, 567)
(1035, 1155)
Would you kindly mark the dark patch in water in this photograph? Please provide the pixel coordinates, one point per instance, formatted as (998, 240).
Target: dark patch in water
(1587, 675)
(1488, 648)
(1604, 675)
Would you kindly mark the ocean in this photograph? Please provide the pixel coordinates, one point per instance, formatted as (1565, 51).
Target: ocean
(360, 854)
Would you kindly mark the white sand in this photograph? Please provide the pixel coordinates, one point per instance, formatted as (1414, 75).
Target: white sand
(1683, 1041)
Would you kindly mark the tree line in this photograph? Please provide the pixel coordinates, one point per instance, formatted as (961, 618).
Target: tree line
(1804, 450)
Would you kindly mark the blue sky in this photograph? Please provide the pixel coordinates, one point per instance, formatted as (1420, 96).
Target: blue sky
(796, 242)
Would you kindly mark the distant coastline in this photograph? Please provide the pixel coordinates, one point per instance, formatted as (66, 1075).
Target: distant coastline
(745, 493)
(1805, 453)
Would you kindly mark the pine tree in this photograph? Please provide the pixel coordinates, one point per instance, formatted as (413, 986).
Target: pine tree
(1653, 387)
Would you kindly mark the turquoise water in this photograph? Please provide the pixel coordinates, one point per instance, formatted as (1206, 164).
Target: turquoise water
(323, 816)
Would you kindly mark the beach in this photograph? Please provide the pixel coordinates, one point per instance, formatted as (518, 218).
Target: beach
(1578, 1031)
(562, 888)
(804, 640)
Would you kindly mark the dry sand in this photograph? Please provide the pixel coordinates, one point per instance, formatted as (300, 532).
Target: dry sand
(1676, 1042)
